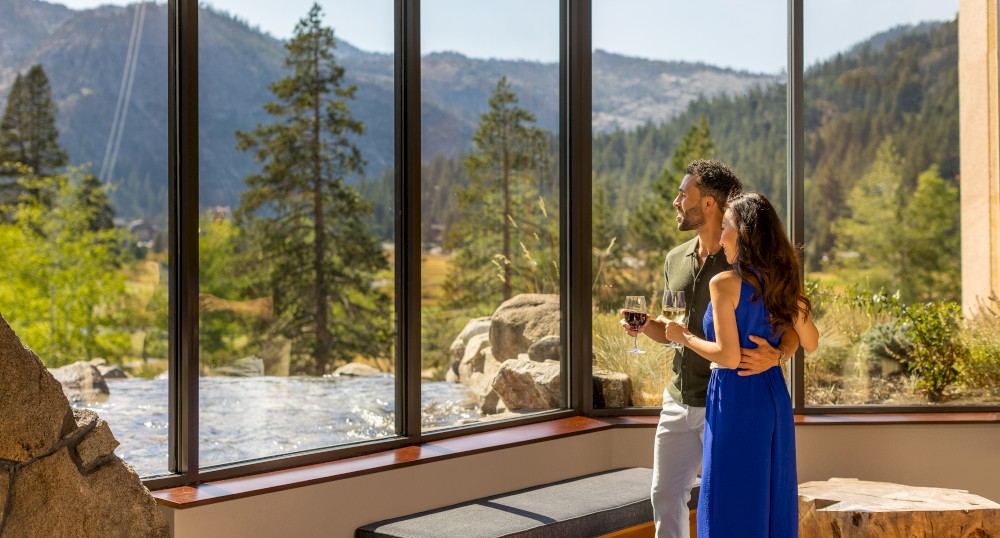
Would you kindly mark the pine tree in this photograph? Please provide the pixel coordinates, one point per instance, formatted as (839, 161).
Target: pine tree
(502, 212)
(311, 226)
(932, 241)
(28, 132)
(93, 200)
(652, 225)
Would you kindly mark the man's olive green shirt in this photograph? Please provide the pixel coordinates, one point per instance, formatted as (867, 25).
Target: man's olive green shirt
(681, 272)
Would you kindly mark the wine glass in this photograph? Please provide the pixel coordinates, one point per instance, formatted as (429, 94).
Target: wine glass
(635, 315)
(674, 307)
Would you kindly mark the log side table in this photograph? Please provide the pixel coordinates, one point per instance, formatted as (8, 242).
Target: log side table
(847, 507)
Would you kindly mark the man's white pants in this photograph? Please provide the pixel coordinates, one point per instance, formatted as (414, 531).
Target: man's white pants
(680, 435)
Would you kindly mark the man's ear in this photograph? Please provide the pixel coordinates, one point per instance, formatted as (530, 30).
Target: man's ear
(709, 201)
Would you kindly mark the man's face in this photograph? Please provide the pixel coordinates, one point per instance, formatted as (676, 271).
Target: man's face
(688, 203)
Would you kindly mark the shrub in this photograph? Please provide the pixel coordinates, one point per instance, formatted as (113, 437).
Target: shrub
(981, 368)
(887, 341)
(937, 345)
(649, 373)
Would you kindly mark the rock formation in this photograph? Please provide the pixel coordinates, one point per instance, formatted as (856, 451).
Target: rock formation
(59, 475)
(511, 360)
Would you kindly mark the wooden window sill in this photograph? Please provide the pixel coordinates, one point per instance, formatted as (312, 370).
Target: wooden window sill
(235, 488)
(899, 418)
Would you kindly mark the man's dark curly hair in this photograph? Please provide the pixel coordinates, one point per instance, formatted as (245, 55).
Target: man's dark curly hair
(715, 179)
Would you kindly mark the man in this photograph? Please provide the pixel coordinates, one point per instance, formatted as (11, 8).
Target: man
(677, 449)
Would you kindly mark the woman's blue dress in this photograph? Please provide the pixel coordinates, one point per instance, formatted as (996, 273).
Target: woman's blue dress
(748, 482)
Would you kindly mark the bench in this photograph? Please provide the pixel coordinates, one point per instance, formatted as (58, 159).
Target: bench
(591, 505)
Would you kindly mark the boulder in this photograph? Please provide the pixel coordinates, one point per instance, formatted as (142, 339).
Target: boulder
(489, 400)
(521, 321)
(451, 375)
(82, 382)
(525, 385)
(857, 508)
(474, 359)
(611, 389)
(472, 328)
(548, 348)
(246, 367)
(356, 369)
(112, 372)
(490, 363)
(59, 475)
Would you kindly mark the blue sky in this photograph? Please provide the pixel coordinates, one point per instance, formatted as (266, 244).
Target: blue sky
(742, 34)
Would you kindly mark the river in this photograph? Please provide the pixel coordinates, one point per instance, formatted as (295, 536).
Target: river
(243, 418)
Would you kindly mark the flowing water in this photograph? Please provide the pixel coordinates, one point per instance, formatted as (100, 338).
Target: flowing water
(243, 418)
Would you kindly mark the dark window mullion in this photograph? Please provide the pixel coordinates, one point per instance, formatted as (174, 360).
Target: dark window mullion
(796, 170)
(575, 172)
(407, 199)
(183, 231)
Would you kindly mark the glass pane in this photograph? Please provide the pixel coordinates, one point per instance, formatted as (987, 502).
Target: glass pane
(83, 209)
(883, 210)
(662, 99)
(296, 231)
(490, 304)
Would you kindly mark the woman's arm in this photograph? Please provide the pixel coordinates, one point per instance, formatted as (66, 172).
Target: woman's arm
(725, 351)
(807, 331)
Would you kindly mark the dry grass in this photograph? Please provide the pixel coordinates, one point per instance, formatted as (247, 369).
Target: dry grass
(841, 372)
(649, 373)
(433, 272)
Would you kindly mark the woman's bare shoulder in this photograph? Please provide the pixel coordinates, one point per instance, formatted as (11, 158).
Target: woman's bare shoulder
(727, 284)
(726, 279)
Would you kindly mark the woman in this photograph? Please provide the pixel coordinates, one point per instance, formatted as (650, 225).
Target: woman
(749, 486)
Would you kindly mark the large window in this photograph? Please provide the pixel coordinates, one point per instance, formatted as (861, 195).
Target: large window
(662, 98)
(296, 229)
(83, 209)
(323, 318)
(882, 198)
(490, 242)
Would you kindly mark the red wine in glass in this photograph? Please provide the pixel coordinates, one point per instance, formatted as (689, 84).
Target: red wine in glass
(635, 319)
(635, 316)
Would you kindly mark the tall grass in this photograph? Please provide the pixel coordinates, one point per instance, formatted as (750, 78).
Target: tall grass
(649, 372)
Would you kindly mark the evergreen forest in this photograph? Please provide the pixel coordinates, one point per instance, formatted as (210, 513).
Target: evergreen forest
(300, 272)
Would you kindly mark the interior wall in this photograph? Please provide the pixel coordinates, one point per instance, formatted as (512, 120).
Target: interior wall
(961, 456)
(979, 129)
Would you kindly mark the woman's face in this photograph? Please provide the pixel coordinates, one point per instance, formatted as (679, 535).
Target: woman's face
(728, 239)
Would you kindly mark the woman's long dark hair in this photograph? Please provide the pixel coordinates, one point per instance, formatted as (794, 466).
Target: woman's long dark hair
(767, 259)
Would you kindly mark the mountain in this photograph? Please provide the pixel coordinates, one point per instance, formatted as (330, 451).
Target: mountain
(900, 85)
(85, 53)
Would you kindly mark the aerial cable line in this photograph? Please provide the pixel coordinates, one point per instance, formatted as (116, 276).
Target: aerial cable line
(124, 95)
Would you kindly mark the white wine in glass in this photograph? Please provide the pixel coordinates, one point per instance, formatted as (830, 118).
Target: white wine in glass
(674, 307)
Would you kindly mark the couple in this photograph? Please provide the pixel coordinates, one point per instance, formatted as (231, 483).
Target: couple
(727, 408)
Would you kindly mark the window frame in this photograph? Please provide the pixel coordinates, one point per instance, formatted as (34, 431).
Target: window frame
(575, 167)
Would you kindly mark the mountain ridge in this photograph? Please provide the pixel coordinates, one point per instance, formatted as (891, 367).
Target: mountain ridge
(84, 54)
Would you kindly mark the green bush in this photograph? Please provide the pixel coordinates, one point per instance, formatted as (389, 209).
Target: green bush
(887, 341)
(981, 368)
(935, 332)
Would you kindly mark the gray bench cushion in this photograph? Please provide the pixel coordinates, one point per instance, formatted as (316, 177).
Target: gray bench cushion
(586, 506)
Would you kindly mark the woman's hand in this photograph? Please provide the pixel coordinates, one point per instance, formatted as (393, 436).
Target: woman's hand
(674, 331)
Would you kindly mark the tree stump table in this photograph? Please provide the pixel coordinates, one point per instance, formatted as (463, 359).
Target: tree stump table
(847, 507)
